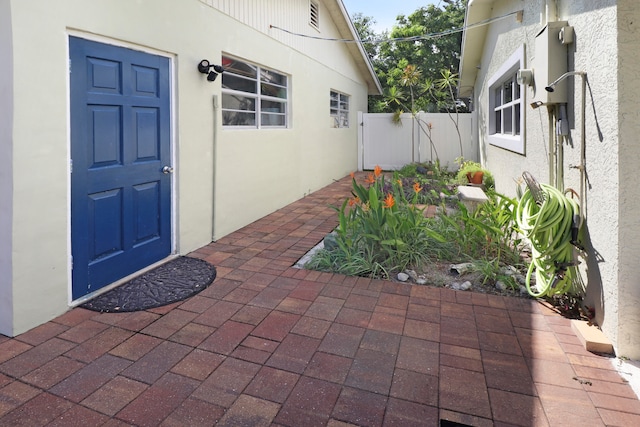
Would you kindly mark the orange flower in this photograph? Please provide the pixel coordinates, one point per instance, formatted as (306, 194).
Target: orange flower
(377, 171)
(354, 201)
(399, 181)
(389, 201)
(416, 187)
(370, 179)
(352, 174)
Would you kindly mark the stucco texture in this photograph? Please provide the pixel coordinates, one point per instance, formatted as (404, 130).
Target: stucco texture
(605, 47)
(628, 18)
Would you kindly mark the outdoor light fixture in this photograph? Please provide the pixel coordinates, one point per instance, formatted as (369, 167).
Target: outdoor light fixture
(204, 67)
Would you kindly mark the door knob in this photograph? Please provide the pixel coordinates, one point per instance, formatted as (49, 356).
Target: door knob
(167, 170)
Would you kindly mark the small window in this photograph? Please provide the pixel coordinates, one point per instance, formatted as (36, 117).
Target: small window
(314, 14)
(339, 109)
(506, 98)
(253, 96)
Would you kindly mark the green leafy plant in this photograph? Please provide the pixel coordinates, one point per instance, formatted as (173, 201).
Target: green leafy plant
(491, 272)
(471, 167)
(380, 229)
(486, 233)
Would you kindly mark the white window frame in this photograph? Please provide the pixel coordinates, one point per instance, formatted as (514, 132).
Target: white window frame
(258, 96)
(339, 112)
(506, 74)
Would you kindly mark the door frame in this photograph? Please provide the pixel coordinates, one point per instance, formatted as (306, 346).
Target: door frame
(172, 147)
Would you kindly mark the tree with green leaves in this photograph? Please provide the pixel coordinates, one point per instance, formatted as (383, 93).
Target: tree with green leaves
(426, 39)
(364, 27)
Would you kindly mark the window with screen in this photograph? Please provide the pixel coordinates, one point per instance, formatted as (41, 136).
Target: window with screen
(253, 96)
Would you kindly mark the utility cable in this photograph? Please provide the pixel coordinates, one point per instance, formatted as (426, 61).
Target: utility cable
(552, 229)
(402, 39)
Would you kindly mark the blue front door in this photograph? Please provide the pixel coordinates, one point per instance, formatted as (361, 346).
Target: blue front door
(120, 143)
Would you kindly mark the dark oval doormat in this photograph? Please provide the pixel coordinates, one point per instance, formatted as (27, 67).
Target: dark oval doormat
(173, 281)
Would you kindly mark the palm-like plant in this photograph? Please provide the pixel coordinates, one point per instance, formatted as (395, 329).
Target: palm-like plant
(410, 78)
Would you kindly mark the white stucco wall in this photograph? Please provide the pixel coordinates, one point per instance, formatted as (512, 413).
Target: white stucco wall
(289, 162)
(255, 171)
(605, 48)
(628, 17)
(6, 171)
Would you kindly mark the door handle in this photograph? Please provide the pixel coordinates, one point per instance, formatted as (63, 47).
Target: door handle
(167, 170)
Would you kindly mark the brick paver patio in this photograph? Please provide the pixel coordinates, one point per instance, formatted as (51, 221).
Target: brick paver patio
(268, 344)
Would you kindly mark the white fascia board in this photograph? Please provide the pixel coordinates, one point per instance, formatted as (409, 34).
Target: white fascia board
(366, 62)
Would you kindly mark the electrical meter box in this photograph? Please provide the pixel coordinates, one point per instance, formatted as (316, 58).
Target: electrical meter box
(550, 62)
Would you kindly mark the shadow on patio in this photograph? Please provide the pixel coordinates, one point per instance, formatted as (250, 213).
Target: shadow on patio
(270, 344)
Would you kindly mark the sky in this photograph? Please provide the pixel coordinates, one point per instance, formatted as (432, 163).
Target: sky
(384, 12)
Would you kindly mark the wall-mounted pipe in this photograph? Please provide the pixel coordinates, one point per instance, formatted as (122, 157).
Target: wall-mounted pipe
(582, 166)
(551, 10)
(214, 181)
(583, 160)
(548, 12)
(552, 86)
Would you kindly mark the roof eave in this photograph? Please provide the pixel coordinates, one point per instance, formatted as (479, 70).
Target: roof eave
(348, 30)
(473, 40)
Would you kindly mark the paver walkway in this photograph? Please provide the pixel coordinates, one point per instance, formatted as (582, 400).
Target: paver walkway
(270, 344)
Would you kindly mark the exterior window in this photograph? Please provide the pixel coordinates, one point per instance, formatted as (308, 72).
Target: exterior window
(252, 96)
(314, 14)
(506, 98)
(339, 109)
(506, 109)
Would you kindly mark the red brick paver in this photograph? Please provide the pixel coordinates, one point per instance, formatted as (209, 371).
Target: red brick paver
(269, 344)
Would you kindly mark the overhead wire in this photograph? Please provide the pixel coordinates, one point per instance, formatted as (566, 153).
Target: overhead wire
(402, 39)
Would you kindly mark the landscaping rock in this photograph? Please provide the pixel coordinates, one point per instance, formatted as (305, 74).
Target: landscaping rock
(330, 242)
(509, 270)
(412, 274)
(403, 277)
(461, 286)
(421, 280)
(501, 286)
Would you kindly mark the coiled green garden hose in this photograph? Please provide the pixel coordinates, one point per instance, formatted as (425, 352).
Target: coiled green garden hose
(551, 227)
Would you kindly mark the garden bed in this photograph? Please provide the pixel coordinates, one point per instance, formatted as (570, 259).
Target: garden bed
(383, 232)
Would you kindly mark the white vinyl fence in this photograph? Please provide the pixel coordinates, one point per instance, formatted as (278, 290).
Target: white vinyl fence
(426, 138)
